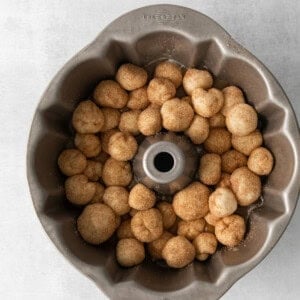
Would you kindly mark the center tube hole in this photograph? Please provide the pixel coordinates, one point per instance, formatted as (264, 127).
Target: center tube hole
(164, 162)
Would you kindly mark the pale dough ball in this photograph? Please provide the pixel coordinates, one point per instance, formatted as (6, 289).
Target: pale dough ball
(116, 172)
(241, 119)
(224, 181)
(79, 190)
(211, 219)
(156, 247)
(130, 252)
(191, 203)
(147, 225)
(168, 214)
(141, 197)
(178, 252)
(232, 160)
(93, 170)
(230, 230)
(131, 77)
(105, 137)
(124, 230)
(109, 93)
(170, 71)
(246, 186)
(190, 229)
(71, 162)
(160, 90)
(129, 122)
(97, 223)
(218, 120)
(138, 99)
(205, 243)
(87, 117)
(210, 169)
(88, 144)
(111, 118)
(198, 130)
(218, 141)
(116, 197)
(149, 122)
(98, 193)
(194, 79)
(260, 161)
(232, 96)
(176, 114)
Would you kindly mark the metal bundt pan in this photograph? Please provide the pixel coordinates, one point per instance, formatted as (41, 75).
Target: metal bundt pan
(142, 36)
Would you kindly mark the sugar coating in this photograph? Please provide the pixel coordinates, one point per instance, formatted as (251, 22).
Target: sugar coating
(93, 170)
(210, 169)
(111, 118)
(194, 79)
(232, 160)
(129, 122)
(124, 230)
(141, 197)
(71, 162)
(198, 130)
(149, 121)
(261, 161)
(98, 196)
(211, 219)
(168, 214)
(116, 197)
(224, 180)
(218, 141)
(217, 120)
(232, 96)
(170, 71)
(205, 243)
(105, 137)
(156, 247)
(88, 144)
(138, 99)
(191, 229)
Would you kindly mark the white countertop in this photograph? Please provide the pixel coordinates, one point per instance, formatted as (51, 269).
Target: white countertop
(37, 38)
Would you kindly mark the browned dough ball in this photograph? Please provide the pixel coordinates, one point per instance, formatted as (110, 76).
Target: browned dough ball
(109, 93)
(87, 117)
(71, 162)
(131, 77)
(97, 223)
(198, 130)
(246, 185)
(116, 172)
(122, 146)
(205, 243)
(93, 170)
(105, 137)
(88, 144)
(218, 120)
(190, 229)
(232, 96)
(141, 197)
(168, 214)
(218, 141)
(194, 79)
(160, 90)
(138, 99)
(111, 118)
(176, 114)
(147, 225)
(98, 193)
(170, 71)
(241, 119)
(232, 160)
(156, 247)
(191, 203)
(211, 219)
(79, 190)
(260, 161)
(178, 252)
(116, 197)
(124, 230)
(129, 122)
(230, 230)
(224, 181)
(149, 122)
(210, 169)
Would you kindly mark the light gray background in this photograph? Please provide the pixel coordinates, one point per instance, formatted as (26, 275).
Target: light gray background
(37, 38)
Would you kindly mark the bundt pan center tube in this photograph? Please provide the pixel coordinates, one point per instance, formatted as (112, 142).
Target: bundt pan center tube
(144, 37)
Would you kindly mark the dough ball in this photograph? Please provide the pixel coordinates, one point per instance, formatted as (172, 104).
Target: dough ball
(141, 198)
(198, 130)
(133, 211)
(178, 252)
(98, 193)
(209, 228)
(124, 230)
(156, 247)
(116, 197)
(232, 96)
(230, 230)
(211, 219)
(122, 146)
(88, 144)
(138, 99)
(79, 190)
(241, 119)
(217, 120)
(205, 243)
(260, 161)
(188, 99)
(116, 172)
(71, 162)
(232, 160)
(174, 227)
(93, 170)
(109, 93)
(218, 141)
(177, 115)
(87, 117)
(111, 118)
(129, 122)
(224, 181)
(190, 229)
(246, 186)
(97, 223)
(168, 214)
(170, 71)
(147, 225)
(149, 122)
(210, 169)
(105, 137)
(191, 203)
(101, 157)
(194, 79)
(131, 77)
(160, 90)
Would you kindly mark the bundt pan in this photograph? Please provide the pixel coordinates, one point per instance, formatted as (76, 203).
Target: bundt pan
(143, 37)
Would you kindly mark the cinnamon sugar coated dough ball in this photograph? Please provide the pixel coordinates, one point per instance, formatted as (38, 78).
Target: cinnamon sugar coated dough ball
(87, 117)
(217, 120)
(241, 119)
(116, 172)
(124, 230)
(198, 130)
(246, 186)
(116, 197)
(105, 137)
(205, 243)
(232, 96)
(111, 118)
(109, 93)
(260, 161)
(194, 79)
(156, 247)
(232, 160)
(176, 114)
(138, 99)
(93, 170)
(224, 180)
(160, 90)
(191, 203)
(149, 122)
(122, 146)
(141, 197)
(210, 169)
(222, 202)
(168, 214)
(79, 190)
(97, 223)
(129, 122)
(71, 162)
(88, 144)
(170, 71)
(218, 141)
(211, 219)
(131, 77)
(178, 252)
(230, 230)
(190, 229)
(97, 198)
